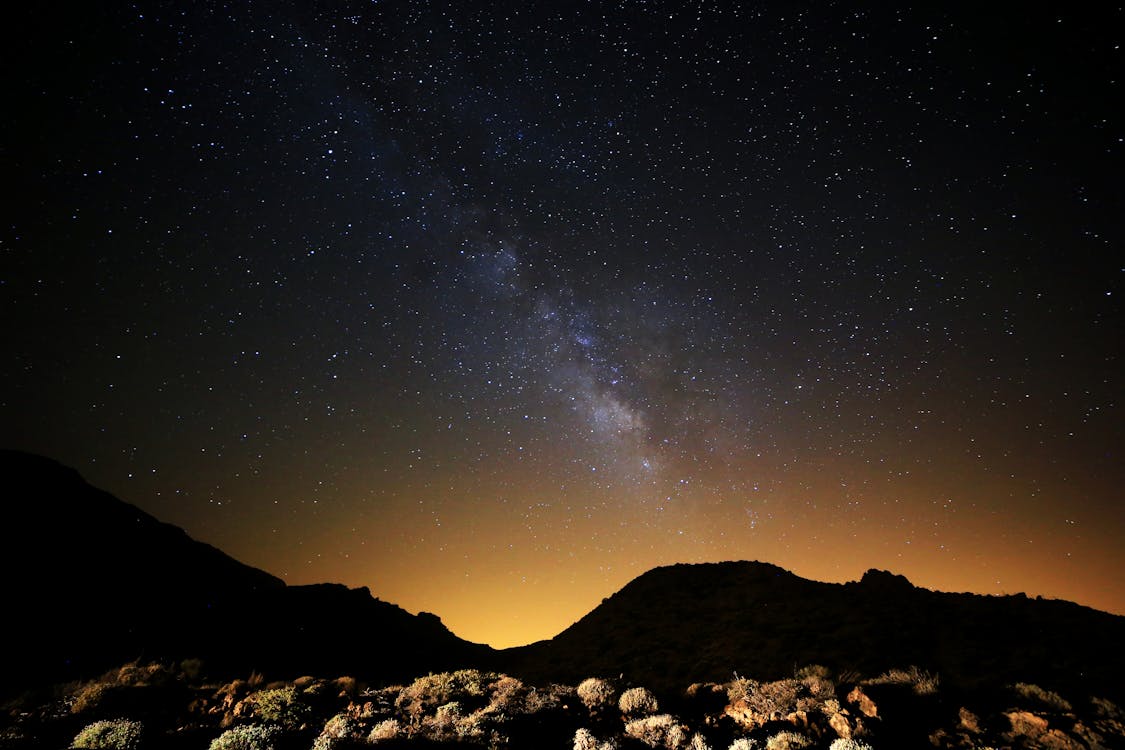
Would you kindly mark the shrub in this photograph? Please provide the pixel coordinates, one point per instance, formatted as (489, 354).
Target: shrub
(466, 686)
(921, 682)
(252, 737)
(596, 693)
(340, 725)
(849, 744)
(192, 669)
(281, 706)
(744, 743)
(779, 697)
(787, 741)
(119, 734)
(346, 687)
(657, 731)
(818, 671)
(1107, 709)
(385, 730)
(636, 701)
(740, 688)
(585, 740)
(93, 696)
(698, 743)
(137, 674)
(1045, 698)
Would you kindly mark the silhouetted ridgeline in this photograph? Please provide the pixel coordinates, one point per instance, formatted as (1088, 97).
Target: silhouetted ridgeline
(94, 582)
(686, 623)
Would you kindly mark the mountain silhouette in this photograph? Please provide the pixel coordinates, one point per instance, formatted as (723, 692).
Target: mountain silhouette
(687, 623)
(94, 582)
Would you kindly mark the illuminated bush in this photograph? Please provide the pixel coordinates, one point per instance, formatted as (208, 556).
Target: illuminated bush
(744, 743)
(253, 737)
(466, 686)
(849, 744)
(658, 731)
(385, 731)
(281, 706)
(637, 701)
(585, 740)
(119, 734)
(788, 741)
(596, 693)
(341, 731)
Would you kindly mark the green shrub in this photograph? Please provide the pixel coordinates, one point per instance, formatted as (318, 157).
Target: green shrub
(637, 701)
(252, 737)
(281, 706)
(119, 734)
(466, 686)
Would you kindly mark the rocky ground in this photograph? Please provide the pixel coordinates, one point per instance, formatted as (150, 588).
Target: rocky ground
(155, 706)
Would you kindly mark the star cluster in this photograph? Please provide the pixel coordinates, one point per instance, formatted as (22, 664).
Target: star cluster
(491, 307)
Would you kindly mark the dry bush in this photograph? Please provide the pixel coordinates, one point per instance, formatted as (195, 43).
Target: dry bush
(585, 740)
(92, 696)
(596, 693)
(788, 741)
(346, 687)
(341, 726)
(813, 670)
(698, 743)
(772, 699)
(658, 731)
(921, 682)
(637, 701)
(1045, 698)
(385, 731)
(849, 744)
(744, 743)
(740, 688)
(1107, 709)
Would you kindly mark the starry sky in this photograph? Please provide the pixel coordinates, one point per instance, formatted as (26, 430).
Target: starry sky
(491, 307)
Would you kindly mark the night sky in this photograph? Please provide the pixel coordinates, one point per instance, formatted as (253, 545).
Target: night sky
(491, 307)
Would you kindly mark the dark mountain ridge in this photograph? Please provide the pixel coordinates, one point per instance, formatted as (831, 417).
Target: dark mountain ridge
(94, 582)
(686, 623)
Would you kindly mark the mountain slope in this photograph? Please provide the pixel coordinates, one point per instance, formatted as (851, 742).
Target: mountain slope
(684, 623)
(93, 581)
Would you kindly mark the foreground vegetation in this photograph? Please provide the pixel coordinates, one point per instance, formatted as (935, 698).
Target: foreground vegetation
(147, 706)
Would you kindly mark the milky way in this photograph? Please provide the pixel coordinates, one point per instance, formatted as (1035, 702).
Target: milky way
(492, 307)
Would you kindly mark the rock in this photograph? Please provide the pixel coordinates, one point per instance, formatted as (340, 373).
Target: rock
(841, 725)
(969, 721)
(1025, 724)
(863, 702)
